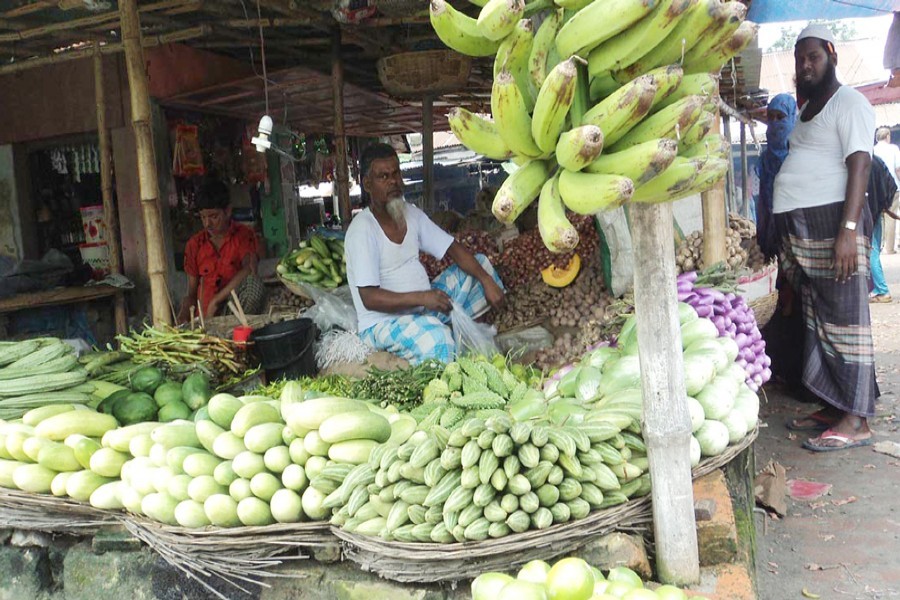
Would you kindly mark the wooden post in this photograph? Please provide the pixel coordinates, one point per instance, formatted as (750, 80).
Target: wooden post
(146, 161)
(715, 221)
(342, 175)
(110, 214)
(428, 153)
(745, 174)
(667, 423)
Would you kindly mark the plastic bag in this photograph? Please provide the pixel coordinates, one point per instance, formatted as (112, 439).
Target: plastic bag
(333, 309)
(521, 342)
(476, 337)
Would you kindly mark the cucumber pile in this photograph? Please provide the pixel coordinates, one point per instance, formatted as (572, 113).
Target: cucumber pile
(318, 261)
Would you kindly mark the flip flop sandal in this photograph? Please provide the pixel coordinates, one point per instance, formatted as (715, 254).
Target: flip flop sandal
(847, 442)
(821, 424)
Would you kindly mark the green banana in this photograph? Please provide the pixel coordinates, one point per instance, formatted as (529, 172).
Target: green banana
(573, 5)
(590, 193)
(668, 185)
(712, 61)
(714, 145)
(597, 22)
(602, 86)
(627, 47)
(640, 163)
(578, 147)
(669, 122)
(511, 116)
(519, 190)
(582, 99)
(692, 84)
(735, 14)
(712, 171)
(623, 109)
(553, 104)
(498, 18)
(667, 80)
(540, 47)
(478, 2)
(513, 56)
(697, 21)
(557, 232)
(459, 31)
(477, 134)
(698, 130)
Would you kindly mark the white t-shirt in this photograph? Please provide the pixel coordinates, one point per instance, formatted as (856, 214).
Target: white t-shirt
(890, 154)
(815, 172)
(374, 260)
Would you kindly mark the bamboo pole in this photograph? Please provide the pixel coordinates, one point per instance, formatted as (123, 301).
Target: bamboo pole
(342, 174)
(745, 174)
(667, 424)
(428, 153)
(147, 175)
(148, 42)
(715, 220)
(110, 216)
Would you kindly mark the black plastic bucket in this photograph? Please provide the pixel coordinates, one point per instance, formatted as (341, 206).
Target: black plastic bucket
(285, 349)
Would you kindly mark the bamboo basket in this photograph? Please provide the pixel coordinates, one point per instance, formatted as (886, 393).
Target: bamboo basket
(763, 308)
(293, 287)
(431, 72)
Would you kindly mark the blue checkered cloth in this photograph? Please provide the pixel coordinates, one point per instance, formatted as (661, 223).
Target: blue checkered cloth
(418, 337)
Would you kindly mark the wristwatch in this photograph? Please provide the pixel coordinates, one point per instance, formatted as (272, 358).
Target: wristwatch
(851, 225)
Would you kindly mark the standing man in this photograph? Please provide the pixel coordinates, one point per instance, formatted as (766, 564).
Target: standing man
(890, 154)
(397, 308)
(820, 206)
(220, 258)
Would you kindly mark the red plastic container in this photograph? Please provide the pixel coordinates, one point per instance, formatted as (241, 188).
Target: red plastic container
(241, 334)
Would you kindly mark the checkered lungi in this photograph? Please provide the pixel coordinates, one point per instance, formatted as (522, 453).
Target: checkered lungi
(838, 353)
(424, 335)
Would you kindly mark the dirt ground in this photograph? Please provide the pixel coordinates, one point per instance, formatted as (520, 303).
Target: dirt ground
(845, 544)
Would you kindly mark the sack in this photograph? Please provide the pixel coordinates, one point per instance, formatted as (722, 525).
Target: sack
(477, 338)
(881, 189)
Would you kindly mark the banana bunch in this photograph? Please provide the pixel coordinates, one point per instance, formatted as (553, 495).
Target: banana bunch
(598, 102)
(318, 261)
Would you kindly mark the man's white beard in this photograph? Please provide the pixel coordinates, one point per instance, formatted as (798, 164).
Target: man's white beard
(396, 208)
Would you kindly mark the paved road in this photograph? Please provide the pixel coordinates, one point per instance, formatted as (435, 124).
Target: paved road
(845, 545)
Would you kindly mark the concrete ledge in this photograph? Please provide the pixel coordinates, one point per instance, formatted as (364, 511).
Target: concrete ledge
(717, 535)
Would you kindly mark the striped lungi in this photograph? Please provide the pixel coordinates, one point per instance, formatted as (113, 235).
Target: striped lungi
(423, 335)
(838, 353)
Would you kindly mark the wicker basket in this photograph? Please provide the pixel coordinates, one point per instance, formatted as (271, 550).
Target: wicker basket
(763, 308)
(293, 287)
(421, 73)
(401, 8)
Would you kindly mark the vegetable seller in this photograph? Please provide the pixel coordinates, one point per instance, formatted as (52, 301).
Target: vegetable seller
(397, 308)
(221, 258)
(821, 212)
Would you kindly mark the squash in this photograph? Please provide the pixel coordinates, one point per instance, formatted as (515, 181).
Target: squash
(556, 277)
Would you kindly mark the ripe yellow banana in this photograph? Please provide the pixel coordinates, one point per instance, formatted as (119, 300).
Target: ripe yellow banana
(720, 54)
(670, 122)
(513, 56)
(459, 31)
(590, 193)
(696, 21)
(497, 18)
(597, 22)
(552, 105)
(623, 109)
(557, 232)
(714, 145)
(511, 116)
(478, 134)
(692, 84)
(627, 47)
(640, 163)
(698, 130)
(540, 48)
(735, 14)
(667, 80)
(579, 147)
(668, 185)
(519, 190)
(602, 86)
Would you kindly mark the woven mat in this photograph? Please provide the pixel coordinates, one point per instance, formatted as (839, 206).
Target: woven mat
(51, 514)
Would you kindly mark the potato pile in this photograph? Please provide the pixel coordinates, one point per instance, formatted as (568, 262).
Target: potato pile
(584, 299)
(526, 304)
(281, 298)
(739, 241)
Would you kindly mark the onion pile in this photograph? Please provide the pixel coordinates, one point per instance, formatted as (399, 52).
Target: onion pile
(734, 318)
(525, 256)
(477, 242)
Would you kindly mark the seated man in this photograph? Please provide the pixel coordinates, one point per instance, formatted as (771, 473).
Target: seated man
(221, 258)
(397, 308)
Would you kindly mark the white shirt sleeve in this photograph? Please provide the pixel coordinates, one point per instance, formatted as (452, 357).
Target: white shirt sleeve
(432, 239)
(361, 254)
(856, 126)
